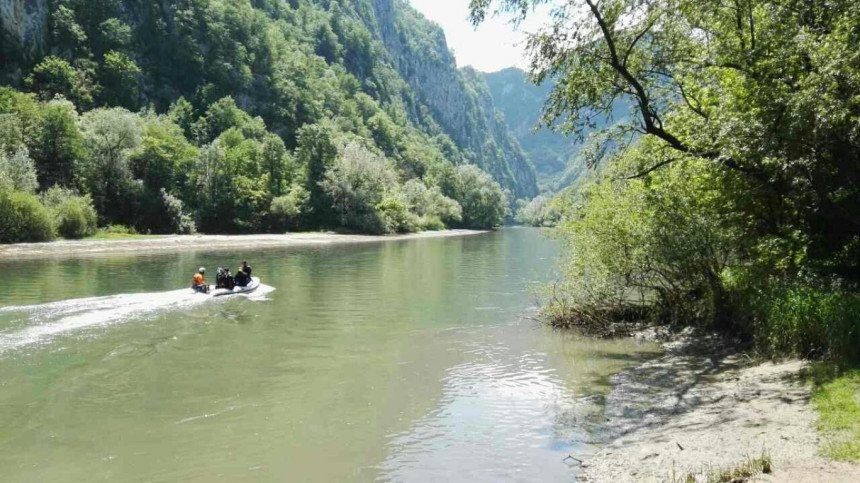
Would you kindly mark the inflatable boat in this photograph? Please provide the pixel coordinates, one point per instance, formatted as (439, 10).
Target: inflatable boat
(220, 292)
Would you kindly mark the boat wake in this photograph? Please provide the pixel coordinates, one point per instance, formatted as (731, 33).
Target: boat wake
(40, 323)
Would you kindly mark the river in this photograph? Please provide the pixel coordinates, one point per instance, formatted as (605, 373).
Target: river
(393, 361)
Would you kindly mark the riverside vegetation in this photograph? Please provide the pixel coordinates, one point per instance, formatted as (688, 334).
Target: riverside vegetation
(234, 116)
(729, 199)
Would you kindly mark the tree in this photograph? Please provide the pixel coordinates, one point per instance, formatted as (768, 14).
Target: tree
(317, 151)
(58, 145)
(54, 76)
(74, 215)
(118, 75)
(110, 137)
(275, 163)
(17, 171)
(482, 199)
(726, 83)
(357, 183)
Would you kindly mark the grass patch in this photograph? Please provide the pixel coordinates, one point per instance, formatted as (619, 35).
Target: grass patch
(118, 232)
(738, 474)
(743, 472)
(836, 395)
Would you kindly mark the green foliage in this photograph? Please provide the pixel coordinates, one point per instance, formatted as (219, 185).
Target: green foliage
(357, 184)
(839, 415)
(245, 106)
(541, 211)
(118, 76)
(728, 196)
(483, 203)
(54, 76)
(808, 319)
(110, 137)
(317, 151)
(17, 171)
(177, 220)
(24, 218)
(434, 209)
(57, 145)
(286, 210)
(74, 215)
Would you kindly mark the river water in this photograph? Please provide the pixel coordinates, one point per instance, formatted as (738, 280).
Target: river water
(394, 361)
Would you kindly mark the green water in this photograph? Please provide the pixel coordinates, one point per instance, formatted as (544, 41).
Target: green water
(400, 361)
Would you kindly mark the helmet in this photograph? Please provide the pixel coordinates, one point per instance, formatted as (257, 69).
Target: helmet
(202, 270)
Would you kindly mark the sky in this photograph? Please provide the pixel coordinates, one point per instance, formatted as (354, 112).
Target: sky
(493, 46)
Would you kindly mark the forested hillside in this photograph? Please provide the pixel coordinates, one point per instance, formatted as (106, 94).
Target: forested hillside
(554, 155)
(240, 116)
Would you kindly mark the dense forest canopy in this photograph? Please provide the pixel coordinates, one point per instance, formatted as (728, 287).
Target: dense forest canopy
(731, 197)
(234, 115)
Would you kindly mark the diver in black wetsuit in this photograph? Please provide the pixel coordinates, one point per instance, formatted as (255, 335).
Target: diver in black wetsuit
(242, 279)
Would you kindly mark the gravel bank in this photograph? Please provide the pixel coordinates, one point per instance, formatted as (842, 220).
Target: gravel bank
(704, 405)
(78, 248)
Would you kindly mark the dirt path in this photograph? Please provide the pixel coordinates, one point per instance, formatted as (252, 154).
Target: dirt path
(207, 242)
(703, 406)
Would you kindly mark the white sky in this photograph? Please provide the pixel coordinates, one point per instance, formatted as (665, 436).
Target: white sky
(495, 44)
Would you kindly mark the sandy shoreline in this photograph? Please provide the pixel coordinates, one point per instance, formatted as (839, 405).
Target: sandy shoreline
(703, 406)
(79, 248)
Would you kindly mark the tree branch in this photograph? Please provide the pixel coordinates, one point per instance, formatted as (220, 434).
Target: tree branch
(648, 171)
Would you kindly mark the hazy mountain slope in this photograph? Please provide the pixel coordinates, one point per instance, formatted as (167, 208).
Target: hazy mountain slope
(553, 155)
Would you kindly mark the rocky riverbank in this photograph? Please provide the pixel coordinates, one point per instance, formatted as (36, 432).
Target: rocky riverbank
(705, 406)
(202, 242)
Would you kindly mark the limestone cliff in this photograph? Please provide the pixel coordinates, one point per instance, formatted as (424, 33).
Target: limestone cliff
(459, 100)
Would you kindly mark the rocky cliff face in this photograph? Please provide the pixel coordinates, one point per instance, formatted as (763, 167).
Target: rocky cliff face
(23, 28)
(459, 100)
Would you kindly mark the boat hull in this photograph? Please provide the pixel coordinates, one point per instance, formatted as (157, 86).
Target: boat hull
(222, 292)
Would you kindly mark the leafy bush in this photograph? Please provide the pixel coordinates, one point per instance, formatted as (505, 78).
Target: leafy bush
(179, 221)
(430, 203)
(482, 200)
(357, 184)
(117, 230)
(17, 171)
(286, 210)
(74, 216)
(808, 319)
(431, 223)
(396, 217)
(25, 219)
(540, 211)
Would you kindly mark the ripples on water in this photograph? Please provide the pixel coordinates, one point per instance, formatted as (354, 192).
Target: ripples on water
(33, 324)
(393, 361)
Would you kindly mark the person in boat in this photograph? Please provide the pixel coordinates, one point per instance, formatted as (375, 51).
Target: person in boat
(246, 268)
(198, 283)
(223, 279)
(242, 279)
(229, 282)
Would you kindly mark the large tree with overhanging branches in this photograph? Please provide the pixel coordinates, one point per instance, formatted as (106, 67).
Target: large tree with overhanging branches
(767, 89)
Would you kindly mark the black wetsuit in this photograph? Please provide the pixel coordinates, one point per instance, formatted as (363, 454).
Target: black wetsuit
(242, 279)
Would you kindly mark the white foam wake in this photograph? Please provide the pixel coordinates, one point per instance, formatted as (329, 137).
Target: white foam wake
(49, 320)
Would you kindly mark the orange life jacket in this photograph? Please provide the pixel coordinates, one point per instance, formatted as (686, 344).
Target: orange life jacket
(198, 279)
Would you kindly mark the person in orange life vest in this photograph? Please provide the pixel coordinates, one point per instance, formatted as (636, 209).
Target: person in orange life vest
(198, 283)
